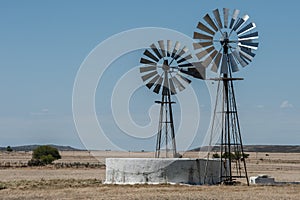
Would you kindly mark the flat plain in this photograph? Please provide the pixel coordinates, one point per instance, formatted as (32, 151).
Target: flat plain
(80, 175)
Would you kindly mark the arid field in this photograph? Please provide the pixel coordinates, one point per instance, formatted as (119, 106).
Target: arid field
(80, 175)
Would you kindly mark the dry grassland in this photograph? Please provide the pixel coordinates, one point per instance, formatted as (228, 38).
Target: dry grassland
(87, 183)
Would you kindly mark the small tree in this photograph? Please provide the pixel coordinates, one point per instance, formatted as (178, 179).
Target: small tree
(216, 155)
(9, 149)
(44, 155)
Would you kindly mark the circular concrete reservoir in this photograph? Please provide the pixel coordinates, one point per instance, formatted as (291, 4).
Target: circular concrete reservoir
(162, 170)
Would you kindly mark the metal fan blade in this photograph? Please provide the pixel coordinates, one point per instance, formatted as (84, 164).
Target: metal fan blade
(224, 65)
(186, 65)
(183, 51)
(208, 19)
(247, 28)
(240, 22)
(158, 85)
(233, 64)
(248, 52)
(172, 87)
(177, 83)
(176, 48)
(226, 13)
(218, 18)
(152, 81)
(186, 58)
(209, 58)
(203, 53)
(146, 61)
(251, 45)
(250, 36)
(234, 17)
(246, 55)
(147, 76)
(150, 55)
(239, 59)
(153, 47)
(202, 36)
(200, 45)
(187, 72)
(188, 81)
(216, 62)
(204, 28)
(147, 68)
(169, 44)
(162, 48)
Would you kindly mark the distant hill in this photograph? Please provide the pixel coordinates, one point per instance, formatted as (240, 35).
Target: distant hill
(32, 147)
(247, 148)
(262, 148)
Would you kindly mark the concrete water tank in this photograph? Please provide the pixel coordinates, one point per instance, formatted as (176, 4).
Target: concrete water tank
(162, 170)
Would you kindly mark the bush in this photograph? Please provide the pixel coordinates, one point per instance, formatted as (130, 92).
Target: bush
(9, 149)
(44, 155)
(44, 151)
(227, 156)
(216, 155)
(235, 156)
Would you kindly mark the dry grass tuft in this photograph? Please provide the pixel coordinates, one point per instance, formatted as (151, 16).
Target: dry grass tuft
(51, 184)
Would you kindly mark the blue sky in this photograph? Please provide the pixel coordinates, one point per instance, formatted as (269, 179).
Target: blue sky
(43, 43)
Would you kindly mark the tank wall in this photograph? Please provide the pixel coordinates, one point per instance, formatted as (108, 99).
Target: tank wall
(162, 170)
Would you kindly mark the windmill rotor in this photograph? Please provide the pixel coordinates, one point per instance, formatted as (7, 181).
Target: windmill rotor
(226, 41)
(165, 66)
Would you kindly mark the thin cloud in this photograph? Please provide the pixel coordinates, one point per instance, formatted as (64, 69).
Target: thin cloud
(42, 112)
(286, 104)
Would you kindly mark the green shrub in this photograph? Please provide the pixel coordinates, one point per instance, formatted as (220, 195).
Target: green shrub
(44, 155)
(227, 156)
(216, 155)
(235, 156)
(9, 149)
(45, 150)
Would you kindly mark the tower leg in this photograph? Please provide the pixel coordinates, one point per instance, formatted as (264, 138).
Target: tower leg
(239, 136)
(172, 126)
(166, 130)
(160, 124)
(233, 161)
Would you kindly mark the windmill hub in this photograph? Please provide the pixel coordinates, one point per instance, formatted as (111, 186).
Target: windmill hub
(166, 66)
(225, 44)
(225, 39)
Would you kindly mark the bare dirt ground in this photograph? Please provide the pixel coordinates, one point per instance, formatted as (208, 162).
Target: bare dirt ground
(87, 183)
